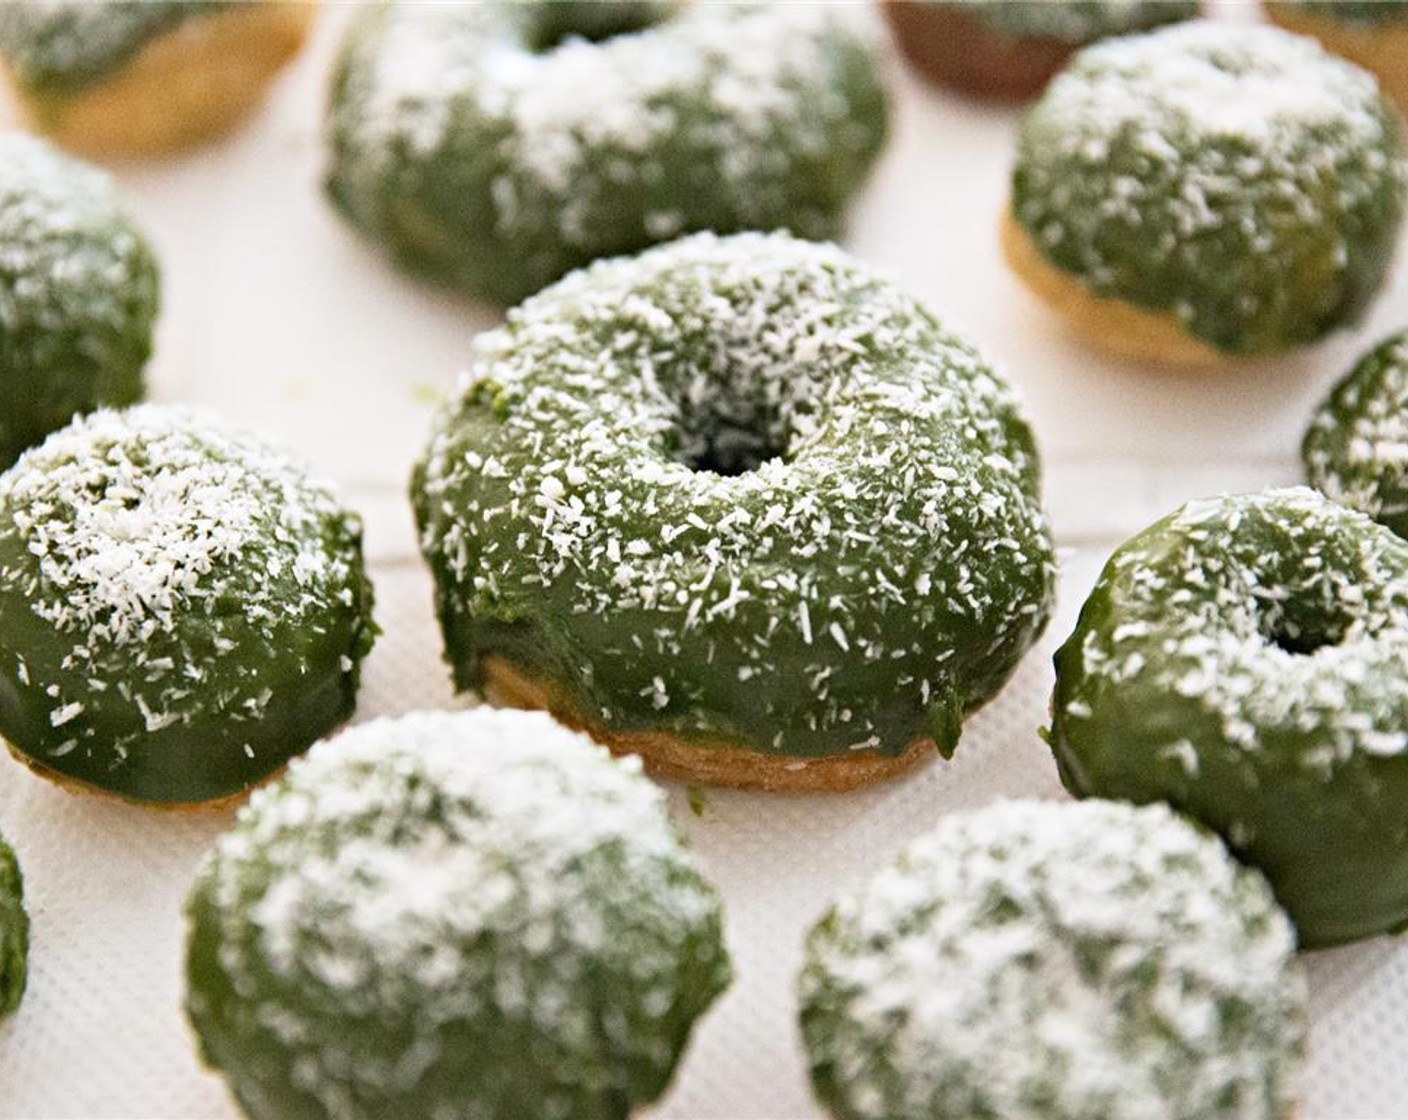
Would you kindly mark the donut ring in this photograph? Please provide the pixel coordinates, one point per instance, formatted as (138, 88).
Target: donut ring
(141, 79)
(496, 146)
(1207, 193)
(1246, 660)
(736, 493)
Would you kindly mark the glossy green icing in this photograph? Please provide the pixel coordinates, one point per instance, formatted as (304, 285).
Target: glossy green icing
(485, 150)
(1074, 21)
(1246, 660)
(1056, 961)
(60, 47)
(1236, 178)
(1363, 13)
(181, 608)
(452, 915)
(14, 932)
(1356, 448)
(78, 294)
(740, 488)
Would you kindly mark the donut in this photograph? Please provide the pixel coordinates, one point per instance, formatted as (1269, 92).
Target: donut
(14, 932)
(1007, 50)
(1356, 448)
(1370, 33)
(144, 77)
(181, 608)
(1057, 961)
(1206, 193)
(494, 147)
(741, 506)
(1246, 660)
(79, 292)
(473, 914)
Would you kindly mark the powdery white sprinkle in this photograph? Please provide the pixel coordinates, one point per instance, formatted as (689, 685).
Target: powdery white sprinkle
(762, 70)
(1213, 603)
(590, 386)
(1051, 961)
(1356, 450)
(1235, 126)
(411, 869)
(131, 523)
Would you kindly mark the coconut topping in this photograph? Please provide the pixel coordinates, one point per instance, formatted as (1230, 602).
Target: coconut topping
(741, 80)
(771, 450)
(154, 542)
(455, 868)
(1271, 613)
(1061, 962)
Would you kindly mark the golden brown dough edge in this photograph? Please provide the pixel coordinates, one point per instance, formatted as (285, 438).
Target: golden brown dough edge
(187, 86)
(704, 762)
(87, 789)
(1381, 50)
(1113, 325)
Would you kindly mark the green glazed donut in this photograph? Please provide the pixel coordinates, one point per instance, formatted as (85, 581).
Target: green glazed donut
(14, 932)
(1236, 185)
(1048, 961)
(58, 47)
(741, 505)
(475, 914)
(181, 608)
(1356, 449)
(78, 293)
(143, 77)
(1246, 660)
(496, 146)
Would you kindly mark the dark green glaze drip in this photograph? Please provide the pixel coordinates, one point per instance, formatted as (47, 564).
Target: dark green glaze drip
(433, 157)
(78, 294)
(14, 932)
(60, 49)
(1147, 174)
(1246, 660)
(875, 579)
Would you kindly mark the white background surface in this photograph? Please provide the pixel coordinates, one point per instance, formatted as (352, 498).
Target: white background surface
(279, 318)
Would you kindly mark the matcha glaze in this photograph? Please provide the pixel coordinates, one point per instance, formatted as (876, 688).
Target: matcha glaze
(742, 489)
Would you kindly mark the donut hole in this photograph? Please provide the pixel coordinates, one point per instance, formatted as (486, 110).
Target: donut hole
(727, 430)
(553, 22)
(1303, 633)
(727, 451)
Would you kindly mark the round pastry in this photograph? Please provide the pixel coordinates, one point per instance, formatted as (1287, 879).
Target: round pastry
(181, 607)
(1207, 192)
(78, 293)
(1246, 660)
(1356, 449)
(741, 506)
(474, 914)
(1046, 961)
(14, 932)
(496, 146)
(1371, 33)
(1009, 49)
(142, 77)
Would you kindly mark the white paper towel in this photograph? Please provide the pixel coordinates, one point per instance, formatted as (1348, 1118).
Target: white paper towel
(277, 317)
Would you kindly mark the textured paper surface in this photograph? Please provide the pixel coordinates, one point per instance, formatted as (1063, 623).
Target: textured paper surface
(278, 318)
